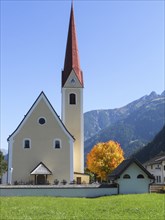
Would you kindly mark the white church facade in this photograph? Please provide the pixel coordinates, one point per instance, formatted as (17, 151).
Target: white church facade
(44, 148)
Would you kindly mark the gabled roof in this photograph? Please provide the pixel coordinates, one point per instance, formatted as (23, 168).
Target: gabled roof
(124, 165)
(41, 169)
(72, 61)
(41, 96)
(157, 159)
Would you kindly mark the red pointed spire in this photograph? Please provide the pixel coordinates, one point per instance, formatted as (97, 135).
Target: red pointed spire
(72, 56)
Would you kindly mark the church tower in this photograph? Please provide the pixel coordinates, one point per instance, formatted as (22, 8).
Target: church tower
(72, 95)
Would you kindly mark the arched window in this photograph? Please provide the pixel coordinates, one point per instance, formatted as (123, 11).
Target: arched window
(140, 176)
(126, 176)
(57, 144)
(72, 99)
(26, 143)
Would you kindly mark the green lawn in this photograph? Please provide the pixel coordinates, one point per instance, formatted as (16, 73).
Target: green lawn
(144, 206)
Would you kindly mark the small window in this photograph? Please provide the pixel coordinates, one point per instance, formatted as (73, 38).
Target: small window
(158, 179)
(164, 167)
(73, 81)
(126, 176)
(78, 180)
(151, 166)
(72, 99)
(26, 144)
(158, 167)
(140, 176)
(41, 121)
(57, 144)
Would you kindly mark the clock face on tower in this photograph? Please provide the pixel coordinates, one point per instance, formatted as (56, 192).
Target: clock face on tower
(73, 81)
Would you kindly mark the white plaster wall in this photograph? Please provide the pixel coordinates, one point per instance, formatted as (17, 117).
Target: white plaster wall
(133, 185)
(57, 192)
(157, 172)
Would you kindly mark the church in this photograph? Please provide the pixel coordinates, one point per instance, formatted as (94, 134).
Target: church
(45, 148)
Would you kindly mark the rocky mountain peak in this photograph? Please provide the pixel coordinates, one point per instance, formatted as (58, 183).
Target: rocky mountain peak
(153, 95)
(132, 126)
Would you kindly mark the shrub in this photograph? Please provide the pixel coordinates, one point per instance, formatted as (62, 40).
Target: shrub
(56, 182)
(64, 182)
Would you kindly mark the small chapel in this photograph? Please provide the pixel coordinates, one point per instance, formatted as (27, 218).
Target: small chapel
(44, 147)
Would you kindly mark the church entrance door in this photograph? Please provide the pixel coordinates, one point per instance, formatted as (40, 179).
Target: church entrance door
(41, 180)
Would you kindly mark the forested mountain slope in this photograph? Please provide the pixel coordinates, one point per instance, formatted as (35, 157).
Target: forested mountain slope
(133, 125)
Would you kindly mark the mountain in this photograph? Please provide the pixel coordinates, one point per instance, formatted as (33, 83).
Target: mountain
(133, 125)
(153, 148)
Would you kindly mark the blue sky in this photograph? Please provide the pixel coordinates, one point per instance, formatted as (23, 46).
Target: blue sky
(121, 48)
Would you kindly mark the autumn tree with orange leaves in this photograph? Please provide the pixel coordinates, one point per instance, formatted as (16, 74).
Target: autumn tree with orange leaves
(104, 158)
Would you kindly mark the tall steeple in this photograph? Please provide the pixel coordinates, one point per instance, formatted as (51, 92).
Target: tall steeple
(72, 61)
(72, 95)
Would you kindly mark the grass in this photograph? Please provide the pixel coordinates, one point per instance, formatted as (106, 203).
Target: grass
(124, 207)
